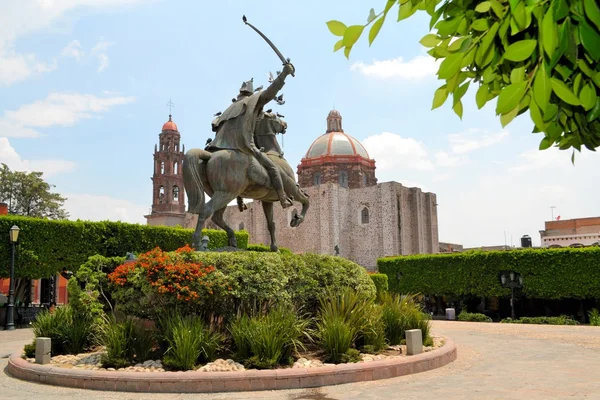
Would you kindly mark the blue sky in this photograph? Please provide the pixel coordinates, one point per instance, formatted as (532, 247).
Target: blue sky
(84, 86)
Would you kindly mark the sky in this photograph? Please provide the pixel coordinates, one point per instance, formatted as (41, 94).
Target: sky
(84, 86)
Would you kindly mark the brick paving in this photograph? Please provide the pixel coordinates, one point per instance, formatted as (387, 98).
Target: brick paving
(495, 361)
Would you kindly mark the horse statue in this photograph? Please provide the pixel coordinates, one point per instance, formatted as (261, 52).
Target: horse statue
(203, 172)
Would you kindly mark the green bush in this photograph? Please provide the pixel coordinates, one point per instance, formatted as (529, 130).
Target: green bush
(381, 283)
(477, 273)
(473, 317)
(402, 313)
(264, 248)
(374, 336)
(116, 338)
(69, 331)
(335, 337)
(270, 339)
(29, 350)
(594, 316)
(562, 320)
(47, 246)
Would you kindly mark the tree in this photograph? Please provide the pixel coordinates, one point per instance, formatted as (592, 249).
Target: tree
(541, 56)
(27, 194)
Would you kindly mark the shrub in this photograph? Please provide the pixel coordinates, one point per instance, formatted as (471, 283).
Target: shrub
(477, 273)
(335, 337)
(70, 333)
(116, 338)
(270, 339)
(401, 313)
(374, 336)
(264, 248)
(381, 283)
(594, 316)
(29, 350)
(238, 329)
(473, 317)
(561, 320)
(58, 244)
(350, 356)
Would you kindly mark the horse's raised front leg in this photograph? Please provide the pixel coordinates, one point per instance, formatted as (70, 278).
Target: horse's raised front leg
(268, 210)
(217, 218)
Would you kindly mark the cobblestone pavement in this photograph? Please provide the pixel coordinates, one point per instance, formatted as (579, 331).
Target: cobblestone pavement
(495, 361)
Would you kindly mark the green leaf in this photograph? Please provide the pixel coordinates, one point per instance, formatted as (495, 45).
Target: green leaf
(550, 112)
(585, 68)
(570, 46)
(338, 45)
(595, 112)
(560, 9)
(469, 57)
(457, 44)
(564, 92)
(481, 24)
(483, 7)
(439, 97)
(517, 75)
(336, 27)
(588, 97)
(521, 50)
(458, 94)
(577, 84)
(482, 96)
(536, 115)
(406, 10)
(389, 5)
(592, 10)
(506, 119)
(430, 40)
(590, 39)
(510, 97)
(520, 17)
(458, 109)
(375, 29)
(481, 58)
(436, 16)
(352, 34)
(542, 87)
(549, 33)
(371, 16)
(450, 66)
(498, 8)
(347, 51)
(545, 143)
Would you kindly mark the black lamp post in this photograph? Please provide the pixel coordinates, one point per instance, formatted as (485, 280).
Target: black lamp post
(10, 312)
(513, 281)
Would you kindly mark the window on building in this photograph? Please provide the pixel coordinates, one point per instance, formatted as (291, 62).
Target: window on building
(241, 227)
(317, 178)
(343, 179)
(175, 167)
(364, 179)
(364, 216)
(175, 193)
(161, 194)
(162, 167)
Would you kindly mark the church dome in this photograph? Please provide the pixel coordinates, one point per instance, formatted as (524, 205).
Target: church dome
(170, 125)
(335, 142)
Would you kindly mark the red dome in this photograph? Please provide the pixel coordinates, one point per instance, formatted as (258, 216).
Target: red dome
(170, 125)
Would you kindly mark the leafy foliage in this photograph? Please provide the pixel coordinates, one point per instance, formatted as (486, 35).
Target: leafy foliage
(27, 194)
(562, 320)
(45, 246)
(473, 317)
(70, 332)
(477, 273)
(594, 316)
(265, 248)
(381, 283)
(539, 56)
(402, 313)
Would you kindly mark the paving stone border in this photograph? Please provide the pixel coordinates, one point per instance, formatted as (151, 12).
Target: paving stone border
(249, 380)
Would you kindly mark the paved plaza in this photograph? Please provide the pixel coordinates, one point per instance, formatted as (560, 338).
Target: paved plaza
(495, 361)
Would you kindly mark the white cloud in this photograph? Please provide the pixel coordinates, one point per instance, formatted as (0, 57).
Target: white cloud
(15, 67)
(417, 68)
(474, 139)
(60, 108)
(74, 50)
(49, 167)
(443, 159)
(101, 208)
(99, 51)
(392, 151)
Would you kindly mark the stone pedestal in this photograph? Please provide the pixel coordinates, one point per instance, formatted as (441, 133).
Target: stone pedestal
(450, 314)
(43, 350)
(414, 342)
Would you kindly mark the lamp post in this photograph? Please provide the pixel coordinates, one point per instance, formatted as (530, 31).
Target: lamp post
(10, 312)
(511, 280)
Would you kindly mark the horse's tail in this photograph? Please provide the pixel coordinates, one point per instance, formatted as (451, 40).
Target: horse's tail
(192, 179)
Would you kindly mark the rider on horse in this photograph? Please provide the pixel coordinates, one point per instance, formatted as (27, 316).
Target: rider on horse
(236, 126)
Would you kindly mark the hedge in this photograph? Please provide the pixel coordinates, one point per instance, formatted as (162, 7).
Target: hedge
(263, 248)
(380, 281)
(547, 273)
(47, 246)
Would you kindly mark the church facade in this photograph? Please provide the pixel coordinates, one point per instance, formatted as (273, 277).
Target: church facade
(349, 208)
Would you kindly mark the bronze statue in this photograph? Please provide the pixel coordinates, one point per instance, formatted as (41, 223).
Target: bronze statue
(243, 160)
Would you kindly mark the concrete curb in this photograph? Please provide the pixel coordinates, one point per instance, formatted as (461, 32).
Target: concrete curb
(239, 381)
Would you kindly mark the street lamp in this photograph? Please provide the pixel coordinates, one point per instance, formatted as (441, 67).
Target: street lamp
(10, 312)
(512, 280)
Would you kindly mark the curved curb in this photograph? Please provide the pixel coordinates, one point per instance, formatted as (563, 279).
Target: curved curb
(250, 380)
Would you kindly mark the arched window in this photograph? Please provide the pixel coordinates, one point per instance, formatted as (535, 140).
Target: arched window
(343, 179)
(162, 167)
(161, 194)
(317, 178)
(175, 167)
(364, 216)
(241, 227)
(175, 193)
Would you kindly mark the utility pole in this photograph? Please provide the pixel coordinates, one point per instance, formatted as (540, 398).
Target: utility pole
(552, 208)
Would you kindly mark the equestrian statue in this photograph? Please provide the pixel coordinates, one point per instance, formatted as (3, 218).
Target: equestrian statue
(244, 160)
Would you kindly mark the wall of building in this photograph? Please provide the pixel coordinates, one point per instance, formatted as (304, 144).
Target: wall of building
(569, 232)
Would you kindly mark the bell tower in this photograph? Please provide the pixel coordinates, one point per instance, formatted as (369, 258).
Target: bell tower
(168, 195)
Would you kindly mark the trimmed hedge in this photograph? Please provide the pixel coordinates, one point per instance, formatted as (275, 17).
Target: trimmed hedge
(562, 320)
(47, 246)
(547, 273)
(263, 248)
(381, 282)
(473, 317)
